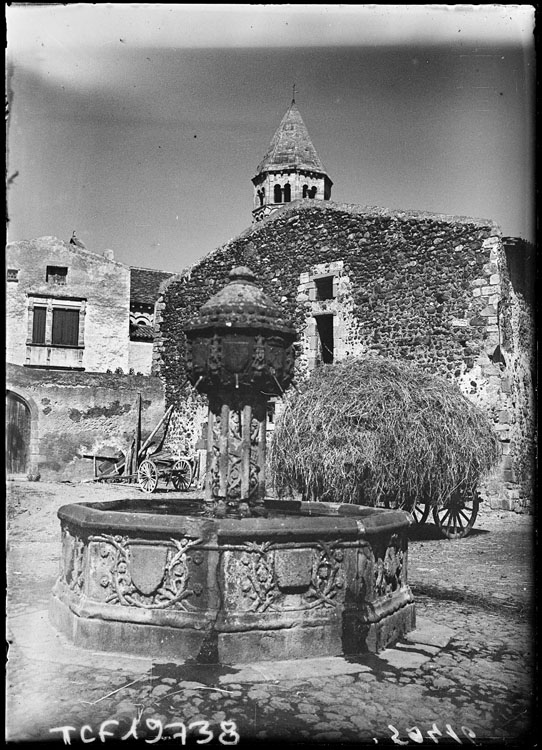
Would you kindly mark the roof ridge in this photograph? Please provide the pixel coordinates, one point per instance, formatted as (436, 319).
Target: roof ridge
(155, 270)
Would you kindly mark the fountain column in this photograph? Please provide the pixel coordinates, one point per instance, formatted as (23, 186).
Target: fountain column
(239, 353)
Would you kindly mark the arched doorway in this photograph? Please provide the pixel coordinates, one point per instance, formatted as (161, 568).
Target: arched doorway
(18, 433)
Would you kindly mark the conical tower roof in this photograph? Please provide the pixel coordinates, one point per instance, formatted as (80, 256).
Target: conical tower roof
(291, 146)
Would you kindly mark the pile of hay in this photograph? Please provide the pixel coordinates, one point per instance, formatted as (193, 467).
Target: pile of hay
(378, 432)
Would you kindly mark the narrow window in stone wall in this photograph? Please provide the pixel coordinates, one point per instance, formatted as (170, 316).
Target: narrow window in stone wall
(305, 191)
(498, 357)
(312, 192)
(324, 287)
(277, 193)
(65, 327)
(324, 325)
(287, 193)
(38, 325)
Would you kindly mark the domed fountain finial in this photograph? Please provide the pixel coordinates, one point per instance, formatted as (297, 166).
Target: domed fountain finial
(242, 273)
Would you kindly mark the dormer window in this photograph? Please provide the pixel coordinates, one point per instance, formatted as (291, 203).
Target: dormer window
(56, 275)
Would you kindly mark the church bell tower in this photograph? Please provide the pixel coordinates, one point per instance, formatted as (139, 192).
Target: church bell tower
(291, 169)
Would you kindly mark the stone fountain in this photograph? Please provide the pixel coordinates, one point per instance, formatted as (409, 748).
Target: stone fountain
(236, 576)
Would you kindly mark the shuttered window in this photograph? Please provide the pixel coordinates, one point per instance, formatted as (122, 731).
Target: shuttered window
(65, 327)
(38, 325)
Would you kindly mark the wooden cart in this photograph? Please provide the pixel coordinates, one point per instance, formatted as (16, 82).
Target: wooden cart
(456, 518)
(162, 465)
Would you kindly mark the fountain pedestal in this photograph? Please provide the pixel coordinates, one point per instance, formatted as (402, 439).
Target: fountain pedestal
(291, 585)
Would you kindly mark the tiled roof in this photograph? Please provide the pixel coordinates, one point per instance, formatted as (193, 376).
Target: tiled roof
(145, 284)
(141, 333)
(291, 146)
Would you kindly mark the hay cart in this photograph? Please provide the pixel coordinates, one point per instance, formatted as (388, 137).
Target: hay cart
(162, 465)
(148, 464)
(455, 518)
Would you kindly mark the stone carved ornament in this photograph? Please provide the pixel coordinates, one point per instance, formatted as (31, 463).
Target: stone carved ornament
(234, 455)
(388, 569)
(259, 581)
(327, 575)
(149, 576)
(73, 561)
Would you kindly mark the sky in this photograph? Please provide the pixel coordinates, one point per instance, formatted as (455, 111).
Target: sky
(139, 126)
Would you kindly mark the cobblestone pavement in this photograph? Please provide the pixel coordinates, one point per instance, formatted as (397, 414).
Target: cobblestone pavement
(477, 689)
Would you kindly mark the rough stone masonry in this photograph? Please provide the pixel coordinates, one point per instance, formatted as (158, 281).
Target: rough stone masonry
(443, 292)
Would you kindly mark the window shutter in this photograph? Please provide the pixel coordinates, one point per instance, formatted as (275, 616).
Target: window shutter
(38, 325)
(65, 327)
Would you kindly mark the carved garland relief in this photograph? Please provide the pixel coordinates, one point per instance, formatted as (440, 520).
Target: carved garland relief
(160, 576)
(234, 455)
(149, 576)
(261, 589)
(73, 561)
(134, 574)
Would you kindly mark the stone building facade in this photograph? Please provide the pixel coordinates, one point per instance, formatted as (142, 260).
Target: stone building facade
(435, 290)
(66, 308)
(74, 371)
(448, 293)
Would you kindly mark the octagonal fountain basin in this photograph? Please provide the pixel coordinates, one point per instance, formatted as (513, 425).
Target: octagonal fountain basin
(156, 578)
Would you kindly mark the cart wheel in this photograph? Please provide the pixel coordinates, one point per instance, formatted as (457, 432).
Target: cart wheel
(420, 512)
(147, 476)
(181, 474)
(456, 519)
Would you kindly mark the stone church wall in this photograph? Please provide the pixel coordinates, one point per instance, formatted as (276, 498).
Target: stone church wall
(412, 286)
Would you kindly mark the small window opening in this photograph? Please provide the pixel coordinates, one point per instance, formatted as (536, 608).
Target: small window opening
(498, 357)
(277, 194)
(13, 274)
(305, 191)
(56, 274)
(324, 324)
(312, 192)
(261, 196)
(324, 288)
(287, 193)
